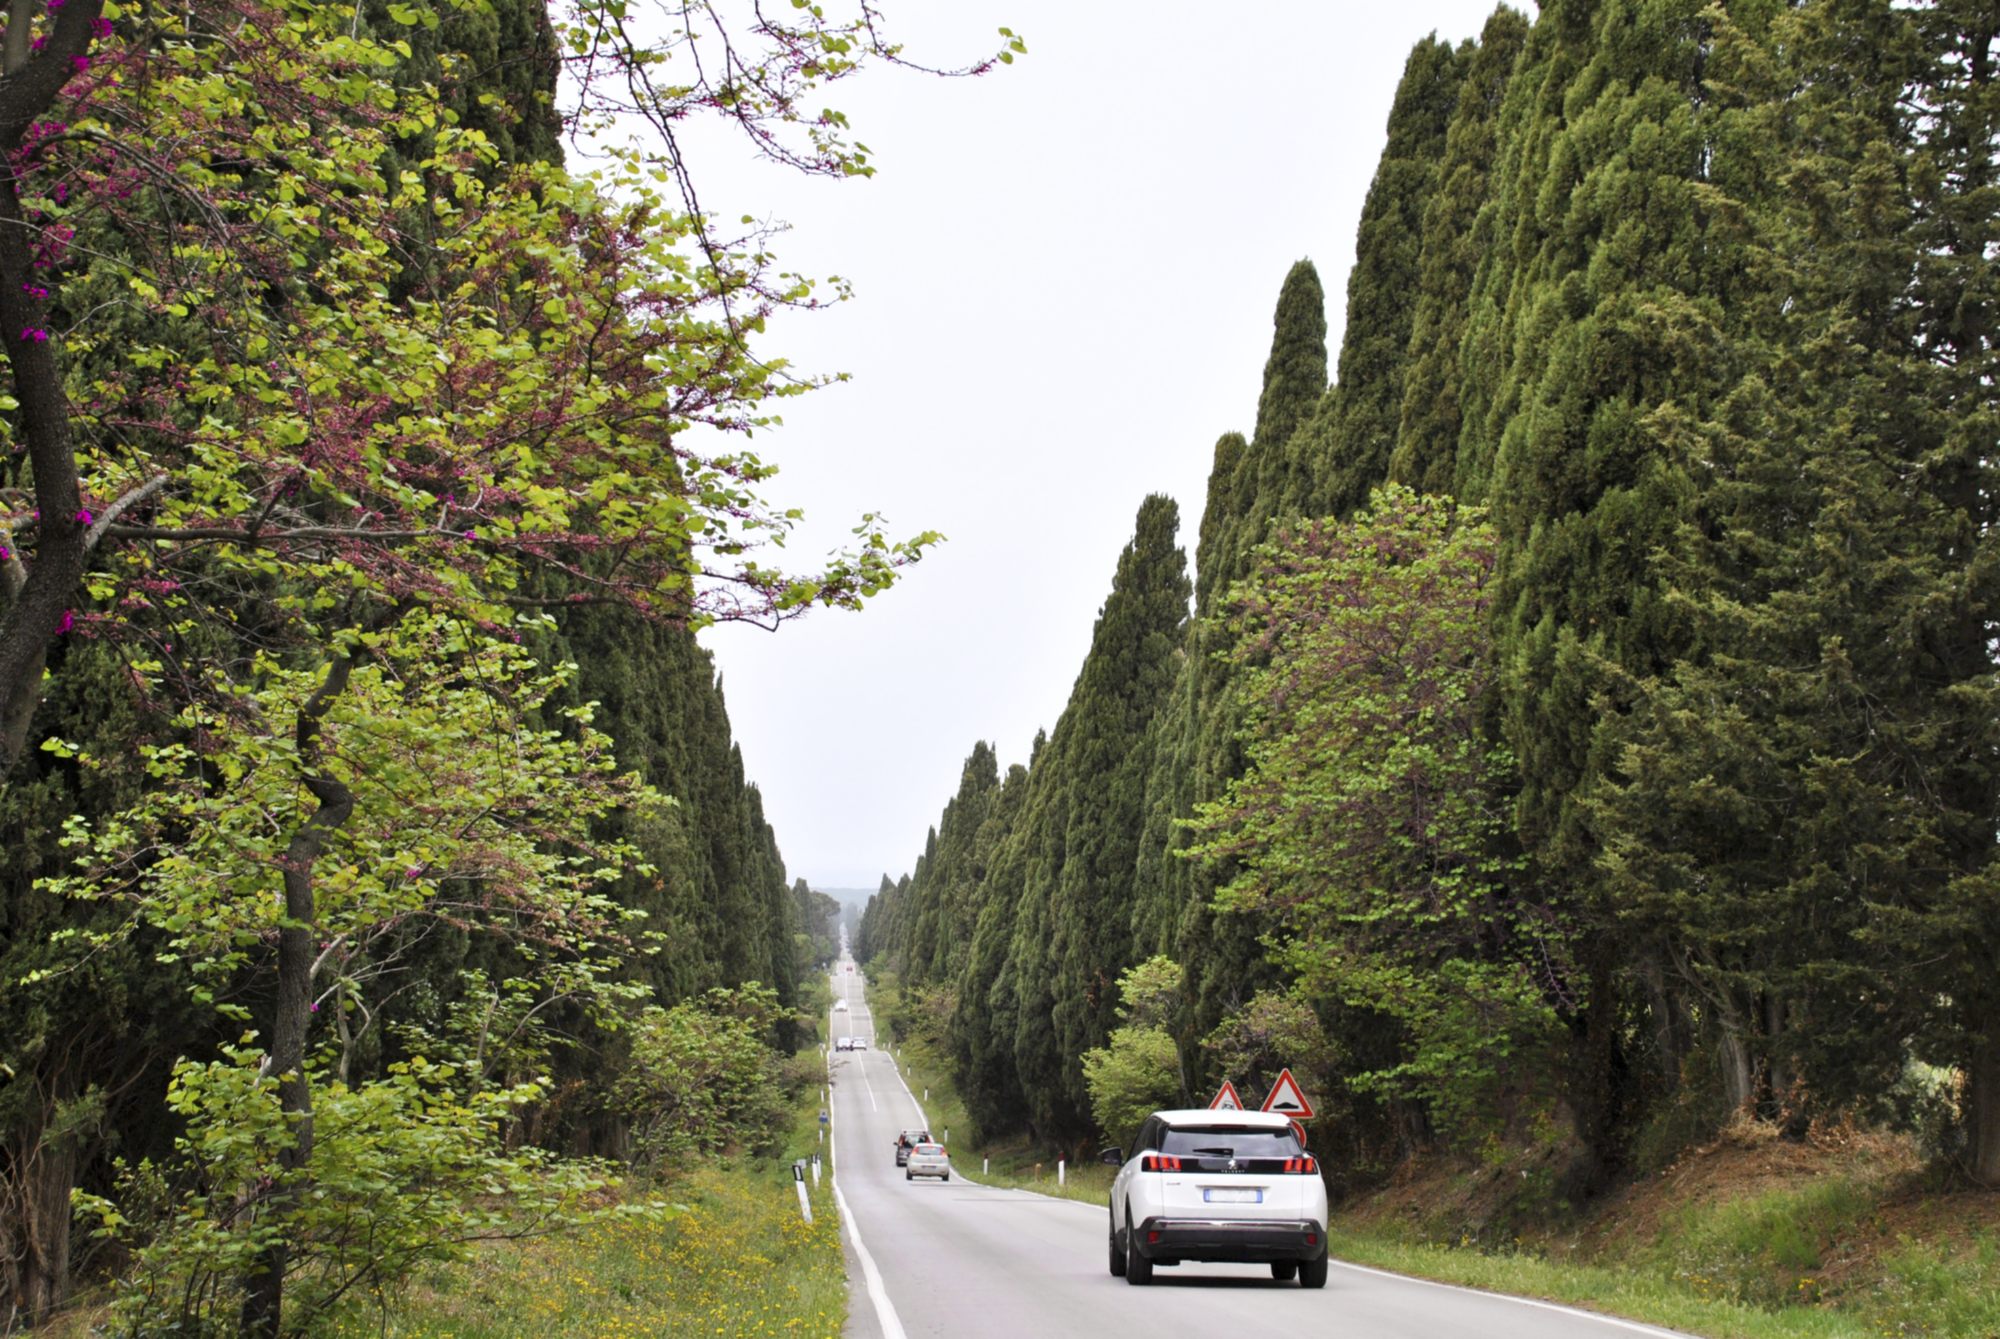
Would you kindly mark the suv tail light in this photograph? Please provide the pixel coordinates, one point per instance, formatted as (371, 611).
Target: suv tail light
(1159, 1162)
(1305, 1164)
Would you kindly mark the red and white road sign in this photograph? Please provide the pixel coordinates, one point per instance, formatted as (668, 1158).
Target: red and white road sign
(1288, 1099)
(1226, 1100)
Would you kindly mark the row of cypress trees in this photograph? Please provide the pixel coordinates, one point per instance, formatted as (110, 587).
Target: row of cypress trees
(1699, 301)
(85, 1053)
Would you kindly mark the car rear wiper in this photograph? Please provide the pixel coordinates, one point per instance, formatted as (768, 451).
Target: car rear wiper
(1224, 1152)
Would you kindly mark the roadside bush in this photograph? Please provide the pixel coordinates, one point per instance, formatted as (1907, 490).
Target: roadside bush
(1136, 1075)
(406, 1172)
(1140, 1071)
(702, 1077)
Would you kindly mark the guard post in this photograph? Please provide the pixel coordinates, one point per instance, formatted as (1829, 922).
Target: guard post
(805, 1200)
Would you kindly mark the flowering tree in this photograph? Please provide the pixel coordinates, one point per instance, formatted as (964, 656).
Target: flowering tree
(1369, 822)
(374, 367)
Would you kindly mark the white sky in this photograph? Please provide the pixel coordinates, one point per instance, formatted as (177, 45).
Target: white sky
(1064, 278)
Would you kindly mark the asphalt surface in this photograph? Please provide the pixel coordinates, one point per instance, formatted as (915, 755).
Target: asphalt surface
(958, 1260)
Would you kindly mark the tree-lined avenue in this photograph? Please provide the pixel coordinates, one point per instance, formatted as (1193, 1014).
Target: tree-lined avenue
(960, 1260)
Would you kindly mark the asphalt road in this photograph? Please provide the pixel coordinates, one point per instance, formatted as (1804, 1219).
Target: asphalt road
(957, 1260)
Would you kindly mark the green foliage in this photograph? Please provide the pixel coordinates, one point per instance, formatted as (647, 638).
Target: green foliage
(451, 794)
(1149, 995)
(407, 1171)
(1346, 451)
(1272, 1032)
(1365, 824)
(1137, 1074)
(1139, 1071)
(701, 1077)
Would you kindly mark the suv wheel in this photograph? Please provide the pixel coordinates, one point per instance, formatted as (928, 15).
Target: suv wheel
(1138, 1269)
(1312, 1273)
(1117, 1252)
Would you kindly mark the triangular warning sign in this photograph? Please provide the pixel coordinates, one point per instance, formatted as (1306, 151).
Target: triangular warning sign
(1287, 1099)
(1226, 1100)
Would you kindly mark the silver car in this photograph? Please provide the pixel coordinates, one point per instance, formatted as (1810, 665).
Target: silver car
(928, 1160)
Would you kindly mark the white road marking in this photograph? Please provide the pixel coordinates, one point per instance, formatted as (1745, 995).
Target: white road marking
(1634, 1326)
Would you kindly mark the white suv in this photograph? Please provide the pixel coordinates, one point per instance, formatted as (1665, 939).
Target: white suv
(1218, 1185)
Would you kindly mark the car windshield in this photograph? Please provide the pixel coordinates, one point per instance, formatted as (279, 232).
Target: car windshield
(1223, 1141)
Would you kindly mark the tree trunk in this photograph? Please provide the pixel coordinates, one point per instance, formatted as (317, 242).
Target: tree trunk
(1595, 1087)
(29, 86)
(264, 1291)
(35, 1215)
(1982, 1106)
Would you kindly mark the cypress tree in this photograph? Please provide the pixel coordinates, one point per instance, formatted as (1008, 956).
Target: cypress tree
(983, 1026)
(1457, 231)
(1127, 674)
(1611, 294)
(1222, 955)
(1347, 451)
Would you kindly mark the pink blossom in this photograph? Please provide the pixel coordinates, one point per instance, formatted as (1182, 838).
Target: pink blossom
(82, 63)
(69, 621)
(33, 335)
(83, 517)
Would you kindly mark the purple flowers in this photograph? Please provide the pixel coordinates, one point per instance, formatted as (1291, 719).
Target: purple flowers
(69, 621)
(100, 27)
(32, 335)
(83, 517)
(36, 293)
(82, 63)
(5, 553)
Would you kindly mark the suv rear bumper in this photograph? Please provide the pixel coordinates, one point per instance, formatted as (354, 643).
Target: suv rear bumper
(1232, 1240)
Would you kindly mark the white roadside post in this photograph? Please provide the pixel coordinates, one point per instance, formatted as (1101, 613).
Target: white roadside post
(815, 1171)
(1060, 1165)
(805, 1200)
(985, 1166)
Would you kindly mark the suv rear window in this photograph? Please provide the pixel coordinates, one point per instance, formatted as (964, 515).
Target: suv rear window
(1225, 1141)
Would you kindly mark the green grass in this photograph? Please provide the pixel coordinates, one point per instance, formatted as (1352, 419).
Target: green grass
(1638, 1295)
(735, 1262)
(739, 1263)
(1783, 1263)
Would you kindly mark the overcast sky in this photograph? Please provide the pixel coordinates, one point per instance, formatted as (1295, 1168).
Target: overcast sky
(1064, 277)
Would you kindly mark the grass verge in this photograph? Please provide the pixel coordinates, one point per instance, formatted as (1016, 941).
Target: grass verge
(735, 1261)
(1636, 1295)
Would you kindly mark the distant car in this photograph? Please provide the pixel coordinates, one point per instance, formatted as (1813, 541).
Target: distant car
(850, 966)
(908, 1140)
(840, 1006)
(927, 1160)
(843, 1043)
(1218, 1185)
(860, 1043)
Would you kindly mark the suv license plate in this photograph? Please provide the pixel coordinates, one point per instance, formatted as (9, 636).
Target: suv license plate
(1213, 1195)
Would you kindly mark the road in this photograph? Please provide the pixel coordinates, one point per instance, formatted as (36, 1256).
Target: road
(957, 1260)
